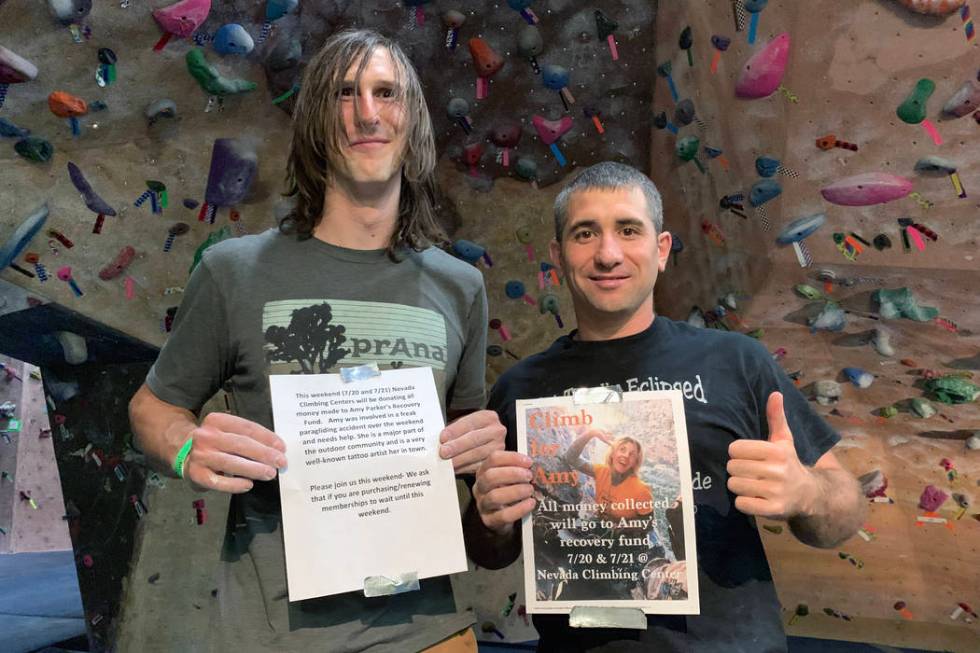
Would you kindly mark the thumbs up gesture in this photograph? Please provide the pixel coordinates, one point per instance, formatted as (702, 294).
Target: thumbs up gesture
(767, 476)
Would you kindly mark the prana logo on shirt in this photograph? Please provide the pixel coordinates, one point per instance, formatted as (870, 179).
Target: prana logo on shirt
(314, 336)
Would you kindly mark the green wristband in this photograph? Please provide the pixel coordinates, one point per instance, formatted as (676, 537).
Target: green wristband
(181, 458)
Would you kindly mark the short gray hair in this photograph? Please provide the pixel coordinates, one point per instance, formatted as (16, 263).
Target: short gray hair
(610, 175)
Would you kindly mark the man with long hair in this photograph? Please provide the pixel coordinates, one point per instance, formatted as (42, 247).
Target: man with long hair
(353, 275)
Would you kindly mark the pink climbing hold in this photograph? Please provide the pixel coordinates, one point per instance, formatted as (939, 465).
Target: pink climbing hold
(182, 18)
(763, 72)
(551, 130)
(867, 189)
(932, 498)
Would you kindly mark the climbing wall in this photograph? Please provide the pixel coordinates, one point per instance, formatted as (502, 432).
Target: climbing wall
(848, 102)
(505, 142)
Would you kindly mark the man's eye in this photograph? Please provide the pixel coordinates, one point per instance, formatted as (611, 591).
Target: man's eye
(386, 93)
(583, 234)
(347, 91)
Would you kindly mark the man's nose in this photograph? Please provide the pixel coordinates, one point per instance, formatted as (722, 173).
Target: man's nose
(609, 253)
(367, 110)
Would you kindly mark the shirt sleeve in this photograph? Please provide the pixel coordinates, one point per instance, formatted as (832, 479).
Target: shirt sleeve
(469, 387)
(812, 435)
(197, 358)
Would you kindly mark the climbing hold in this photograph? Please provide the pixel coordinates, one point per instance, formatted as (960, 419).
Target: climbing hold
(964, 101)
(22, 235)
(182, 18)
(66, 105)
(210, 79)
(858, 377)
(487, 62)
(69, 12)
(826, 392)
(468, 251)
(685, 41)
(952, 390)
(808, 292)
(763, 191)
(118, 264)
(882, 242)
(881, 341)
(687, 149)
(276, 9)
(34, 148)
(922, 408)
(526, 168)
(721, 42)
(801, 228)
(162, 108)
(830, 318)
(873, 484)
(913, 109)
(684, 112)
(935, 164)
(92, 200)
(763, 72)
(766, 166)
(233, 39)
(10, 130)
(286, 54)
(932, 498)
(530, 45)
(14, 69)
(933, 7)
(233, 167)
(867, 189)
(973, 442)
(900, 302)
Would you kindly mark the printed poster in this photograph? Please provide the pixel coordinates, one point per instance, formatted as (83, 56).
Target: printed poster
(614, 521)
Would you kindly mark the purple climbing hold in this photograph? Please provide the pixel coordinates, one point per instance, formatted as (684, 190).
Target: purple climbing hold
(867, 189)
(92, 200)
(763, 72)
(233, 168)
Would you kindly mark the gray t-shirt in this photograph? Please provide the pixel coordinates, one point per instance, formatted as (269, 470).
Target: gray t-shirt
(270, 303)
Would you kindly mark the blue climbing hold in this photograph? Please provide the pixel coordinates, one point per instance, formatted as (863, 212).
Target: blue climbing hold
(763, 191)
(800, 228)
(233, 39)
(22, 236)
(515, 289)
(766, 166)
(276, 9)
(468, 251)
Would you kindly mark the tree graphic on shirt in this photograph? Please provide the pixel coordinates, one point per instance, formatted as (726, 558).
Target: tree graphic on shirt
(310, 340)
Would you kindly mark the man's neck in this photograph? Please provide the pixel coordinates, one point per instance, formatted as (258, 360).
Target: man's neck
(610, 327)
(360, 216)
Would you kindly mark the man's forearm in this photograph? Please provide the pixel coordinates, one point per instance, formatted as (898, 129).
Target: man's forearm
(487, 548)
(837, 510)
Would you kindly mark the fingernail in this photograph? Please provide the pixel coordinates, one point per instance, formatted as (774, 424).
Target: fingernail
(528, 475)
(443, 436)
(281, 461)
(445, 451)
(270, 475)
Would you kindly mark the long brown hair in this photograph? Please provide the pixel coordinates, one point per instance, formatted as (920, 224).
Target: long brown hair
(319, 133)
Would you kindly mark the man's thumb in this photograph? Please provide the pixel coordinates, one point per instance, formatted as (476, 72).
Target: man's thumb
(778, 426)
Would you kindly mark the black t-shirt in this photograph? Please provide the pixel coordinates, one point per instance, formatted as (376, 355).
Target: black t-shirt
(726, 379)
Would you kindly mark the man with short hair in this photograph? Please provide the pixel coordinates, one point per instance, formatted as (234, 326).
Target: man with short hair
(610, 245)
(352, 276)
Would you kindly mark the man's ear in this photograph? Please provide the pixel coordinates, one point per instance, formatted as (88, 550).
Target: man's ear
(554, 247)
(664, 241)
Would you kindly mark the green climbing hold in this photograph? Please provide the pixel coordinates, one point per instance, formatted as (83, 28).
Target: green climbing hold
(900, 303)
(913, 109)
(809, 292)
(922, 408)
(210, 79)
(33, 148)
(952, 389)
(888, 412)
(214, 237)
